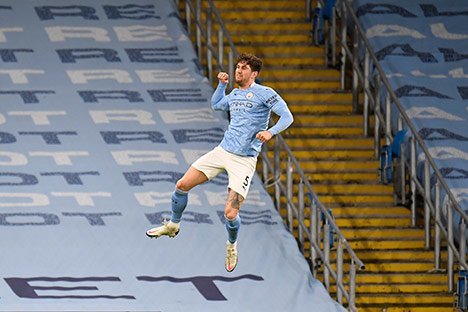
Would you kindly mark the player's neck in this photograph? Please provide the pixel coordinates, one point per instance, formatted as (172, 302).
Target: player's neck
(247, 85)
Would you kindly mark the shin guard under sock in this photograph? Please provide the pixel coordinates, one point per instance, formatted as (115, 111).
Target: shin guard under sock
(232, 227)
(179, 202)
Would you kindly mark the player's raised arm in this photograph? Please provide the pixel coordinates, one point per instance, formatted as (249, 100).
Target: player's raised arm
(219, 100)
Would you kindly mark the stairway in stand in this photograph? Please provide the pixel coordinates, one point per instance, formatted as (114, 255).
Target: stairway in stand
(328, 140)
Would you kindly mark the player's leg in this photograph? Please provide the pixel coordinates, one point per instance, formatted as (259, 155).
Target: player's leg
(240, 172)
(231, 213)
(191, 178)
(233, 222)
(203, 169)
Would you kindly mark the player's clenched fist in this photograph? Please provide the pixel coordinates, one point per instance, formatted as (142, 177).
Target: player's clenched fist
(223, 77)
(264, 136)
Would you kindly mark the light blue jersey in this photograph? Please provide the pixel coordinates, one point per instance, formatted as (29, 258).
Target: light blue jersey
(250, 112)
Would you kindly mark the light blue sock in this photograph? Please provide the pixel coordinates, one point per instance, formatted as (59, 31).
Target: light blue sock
(232, 227)
(179, 202)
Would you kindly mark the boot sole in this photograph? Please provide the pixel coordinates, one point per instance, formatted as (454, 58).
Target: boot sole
(157, 236)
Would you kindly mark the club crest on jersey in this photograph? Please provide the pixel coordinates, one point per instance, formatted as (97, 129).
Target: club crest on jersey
(249, 95)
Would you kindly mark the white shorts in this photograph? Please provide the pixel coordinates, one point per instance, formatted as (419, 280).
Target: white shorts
(240, 169)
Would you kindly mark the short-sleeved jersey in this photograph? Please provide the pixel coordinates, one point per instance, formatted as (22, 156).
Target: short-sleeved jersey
(249, 112)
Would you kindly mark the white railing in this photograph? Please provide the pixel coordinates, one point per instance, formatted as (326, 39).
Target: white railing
(305, 213)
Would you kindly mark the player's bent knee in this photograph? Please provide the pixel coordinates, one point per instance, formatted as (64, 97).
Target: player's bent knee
(181, 185)
(230, 214)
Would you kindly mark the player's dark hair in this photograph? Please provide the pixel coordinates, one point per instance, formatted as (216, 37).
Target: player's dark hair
(254, 62)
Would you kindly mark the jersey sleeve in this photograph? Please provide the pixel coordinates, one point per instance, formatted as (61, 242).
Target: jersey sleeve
(270, 97)
(219, 100)
(285, 118)
(274, 101)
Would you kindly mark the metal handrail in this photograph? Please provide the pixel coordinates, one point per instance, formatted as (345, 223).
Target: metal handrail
(361, 79)
(313, 233)
(202, 39)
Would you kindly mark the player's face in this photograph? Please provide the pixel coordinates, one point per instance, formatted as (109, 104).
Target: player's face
(244, 74)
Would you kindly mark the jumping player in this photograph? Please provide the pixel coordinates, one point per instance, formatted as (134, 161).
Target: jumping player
(249, 106)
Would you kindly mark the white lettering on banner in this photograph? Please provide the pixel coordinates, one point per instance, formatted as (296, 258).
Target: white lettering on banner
(19, 76)
(61, 158)
(39, 118)
(106, 116)
(129, 158)
(152, 199)
(394, 75)
(182, 38)
(142, 33)
(33, 200)
(430, 113)
(14, 159)
(219, 198)
(191, 155)
(444, 152)
(391, 31)
(61, 33)
(437, 76)
(82, 198)
(121, 76)
(216, 198)
(418, 73)
(3, 38)
(254, 198)
(82, 76)
(187, 115)
(454, 73)
(460, 194)
(165, 76)
(439, 30)
(458, 73)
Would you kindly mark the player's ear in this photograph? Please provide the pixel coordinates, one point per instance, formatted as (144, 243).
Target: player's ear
(255, 74)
